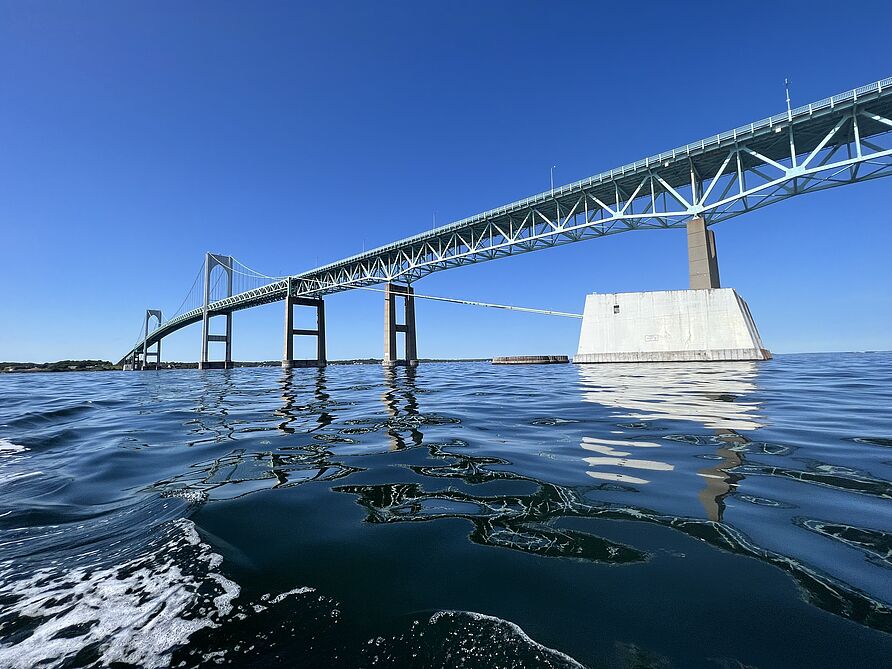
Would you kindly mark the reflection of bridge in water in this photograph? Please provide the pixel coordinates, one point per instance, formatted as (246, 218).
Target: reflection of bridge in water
(466, 480)
(713, 395)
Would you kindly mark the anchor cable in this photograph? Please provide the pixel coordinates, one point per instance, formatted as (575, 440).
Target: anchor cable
(474, 303)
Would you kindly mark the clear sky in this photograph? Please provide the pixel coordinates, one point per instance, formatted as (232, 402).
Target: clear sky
(135, 136)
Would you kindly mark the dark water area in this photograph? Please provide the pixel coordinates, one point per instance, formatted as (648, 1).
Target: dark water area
(455, 515)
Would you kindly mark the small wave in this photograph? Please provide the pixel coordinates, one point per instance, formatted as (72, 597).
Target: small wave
(136, 612)
(552, 421)
(465, 639)
(7, 446)
(515, 630)
(189, 495)
(57, 416)
(296, 591)
(875, 544)
(11, 455)
(876, 441)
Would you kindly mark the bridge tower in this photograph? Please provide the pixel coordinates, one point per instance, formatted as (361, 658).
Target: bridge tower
(291, 301)
(393, 291)
(213, 260)
(150, 313)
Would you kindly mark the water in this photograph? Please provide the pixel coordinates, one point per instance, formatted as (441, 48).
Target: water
(460, 515)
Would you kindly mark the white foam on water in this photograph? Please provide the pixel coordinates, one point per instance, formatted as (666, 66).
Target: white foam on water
(136, 612)
(513, 629)
(295, 591)
(11, 455)
(7, 446)
(191, 496)
(21, 475)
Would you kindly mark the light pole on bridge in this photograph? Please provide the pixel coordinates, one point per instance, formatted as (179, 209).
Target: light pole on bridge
(552, 179)
(787, 91)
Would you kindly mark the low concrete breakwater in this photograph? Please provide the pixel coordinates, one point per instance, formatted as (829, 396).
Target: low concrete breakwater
(530, 360)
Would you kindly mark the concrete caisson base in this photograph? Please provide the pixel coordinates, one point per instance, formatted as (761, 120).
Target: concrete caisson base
(530, 360)
(668, 326)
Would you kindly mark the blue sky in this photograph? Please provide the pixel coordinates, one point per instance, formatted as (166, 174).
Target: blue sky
(136, 136)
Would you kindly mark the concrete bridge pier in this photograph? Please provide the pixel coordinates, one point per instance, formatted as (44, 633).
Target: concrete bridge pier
(213, 260)
(392, 292)
(156, 355)
(706, 322)
(146, 353)
(703, 262)
(207, 337)
(317, 303)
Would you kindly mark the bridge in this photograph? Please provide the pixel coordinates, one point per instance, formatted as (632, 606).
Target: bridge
(840, 140)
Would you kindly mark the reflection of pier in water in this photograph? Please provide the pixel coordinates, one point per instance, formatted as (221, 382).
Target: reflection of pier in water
(527, 520)
(211, 422)
(530, 521)
(712, 394)
(293, 411)
(305, 409)
(401, 403)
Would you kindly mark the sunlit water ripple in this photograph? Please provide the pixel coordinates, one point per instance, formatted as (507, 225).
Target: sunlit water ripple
(457, 515)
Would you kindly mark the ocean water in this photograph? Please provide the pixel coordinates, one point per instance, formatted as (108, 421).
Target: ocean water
(454, 515)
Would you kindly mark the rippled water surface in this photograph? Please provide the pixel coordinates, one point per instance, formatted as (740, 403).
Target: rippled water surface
(456, 515)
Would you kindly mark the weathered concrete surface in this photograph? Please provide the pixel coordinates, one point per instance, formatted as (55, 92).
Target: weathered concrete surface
(318, 304)
(703, 261)
(391, 327)
(668, 326)
(530, 360)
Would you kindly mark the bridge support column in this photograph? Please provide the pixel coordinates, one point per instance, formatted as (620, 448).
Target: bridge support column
(703, 263)
(225, 262)
(392, 291)
(288, 360)
(146, 353)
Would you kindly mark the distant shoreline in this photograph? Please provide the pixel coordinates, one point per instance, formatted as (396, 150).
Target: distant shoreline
(106, 366)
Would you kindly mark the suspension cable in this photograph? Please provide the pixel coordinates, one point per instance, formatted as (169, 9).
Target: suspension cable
(139, 334)
(189, 294)
(254, 271)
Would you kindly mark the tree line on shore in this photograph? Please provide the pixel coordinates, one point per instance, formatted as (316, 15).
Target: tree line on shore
(105, 365)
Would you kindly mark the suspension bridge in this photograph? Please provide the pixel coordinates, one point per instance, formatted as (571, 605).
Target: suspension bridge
(840, 140)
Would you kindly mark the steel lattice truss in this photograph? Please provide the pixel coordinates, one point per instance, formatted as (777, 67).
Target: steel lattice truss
(837, 141)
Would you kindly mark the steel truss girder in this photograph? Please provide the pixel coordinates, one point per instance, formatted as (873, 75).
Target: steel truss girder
(841, 140)
(755, 181)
